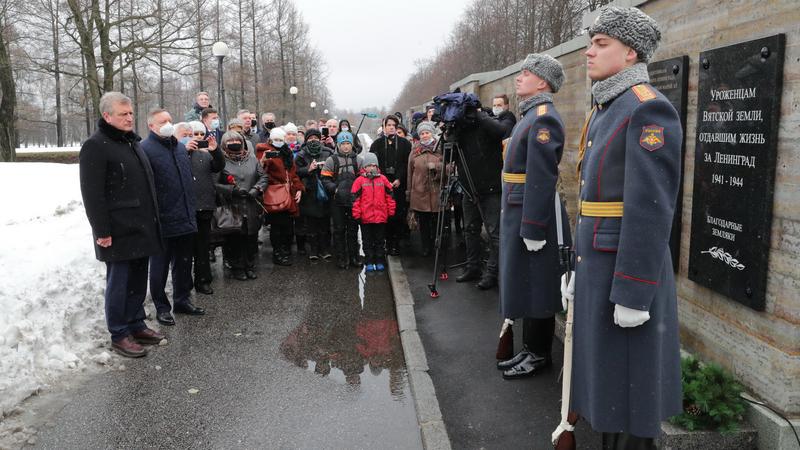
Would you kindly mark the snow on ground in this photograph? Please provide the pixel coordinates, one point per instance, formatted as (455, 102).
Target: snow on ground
(38, 149)
(51, 293)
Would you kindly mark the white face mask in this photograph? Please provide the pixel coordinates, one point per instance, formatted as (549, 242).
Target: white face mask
(166, 130)
(345, 128)
(277, 144)
(497, 110)
(427, 141)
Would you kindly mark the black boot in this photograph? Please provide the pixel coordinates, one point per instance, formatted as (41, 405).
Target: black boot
(469, 274)
(625, 441)
(487, 282)
(528, 367)
(301, 245)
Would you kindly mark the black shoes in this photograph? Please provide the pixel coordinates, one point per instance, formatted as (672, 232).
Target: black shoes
(204, 288)
(487, 282)
(394, 250)
(468, 275)
(165, 318)
(280, 259)
(355, 261)
(509, 363)
(250, 274)
(189, 309)
(528, 367)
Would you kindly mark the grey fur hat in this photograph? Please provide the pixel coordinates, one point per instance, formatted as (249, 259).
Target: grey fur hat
(430, 127)
(630, 26)
(545, 67)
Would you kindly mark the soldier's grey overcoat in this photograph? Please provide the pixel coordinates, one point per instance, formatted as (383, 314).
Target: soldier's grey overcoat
(530, 281)
(628, 379)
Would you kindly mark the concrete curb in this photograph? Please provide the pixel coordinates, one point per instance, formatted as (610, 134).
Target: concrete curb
(429, 416)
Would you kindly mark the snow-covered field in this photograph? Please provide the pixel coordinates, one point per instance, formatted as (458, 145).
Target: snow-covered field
(51, 287)
(48, 149)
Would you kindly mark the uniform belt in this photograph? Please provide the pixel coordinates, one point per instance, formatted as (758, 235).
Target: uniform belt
(600, 209)
(514, 178)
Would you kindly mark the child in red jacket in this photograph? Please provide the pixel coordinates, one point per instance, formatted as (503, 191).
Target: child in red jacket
(372, 206)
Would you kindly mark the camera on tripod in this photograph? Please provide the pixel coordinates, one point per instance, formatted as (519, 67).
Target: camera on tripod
(453, 108)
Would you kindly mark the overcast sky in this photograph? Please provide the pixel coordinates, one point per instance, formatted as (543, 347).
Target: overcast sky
(370, 45)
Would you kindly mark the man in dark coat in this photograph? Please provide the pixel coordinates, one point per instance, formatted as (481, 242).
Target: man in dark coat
(501, 112)
(172, 172)
(480, 138)
(120, 201)
(626, 375)
(392, 152)
(529, 247)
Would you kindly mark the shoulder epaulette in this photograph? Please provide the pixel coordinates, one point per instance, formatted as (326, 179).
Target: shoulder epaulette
(541, 110)
(644, 92)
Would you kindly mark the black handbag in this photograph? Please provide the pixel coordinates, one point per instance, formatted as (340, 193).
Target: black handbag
(228, 219)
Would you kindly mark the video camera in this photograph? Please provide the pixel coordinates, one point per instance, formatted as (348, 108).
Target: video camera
(454, 107)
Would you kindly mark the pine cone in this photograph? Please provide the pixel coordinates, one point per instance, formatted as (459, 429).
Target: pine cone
(693, 410)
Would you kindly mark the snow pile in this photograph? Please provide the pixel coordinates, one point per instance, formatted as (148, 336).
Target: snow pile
(51, 294)
(44, 149)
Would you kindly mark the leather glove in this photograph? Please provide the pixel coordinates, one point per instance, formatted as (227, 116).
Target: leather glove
(255, 193)
(567, 289)
(239, 192)
(534, 246)
(629, 318)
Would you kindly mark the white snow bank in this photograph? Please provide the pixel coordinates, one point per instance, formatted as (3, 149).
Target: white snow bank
(48, 149)
(51, 294)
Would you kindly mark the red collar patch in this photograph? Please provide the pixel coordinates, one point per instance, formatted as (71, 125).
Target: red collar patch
(652, 137)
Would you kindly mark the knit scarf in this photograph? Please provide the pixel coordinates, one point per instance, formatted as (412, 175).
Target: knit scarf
(613, 86)
(239, 156)
(422, 148)
(538, 99)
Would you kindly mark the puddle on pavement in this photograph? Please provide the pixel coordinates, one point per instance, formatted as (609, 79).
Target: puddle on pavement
(350, 336)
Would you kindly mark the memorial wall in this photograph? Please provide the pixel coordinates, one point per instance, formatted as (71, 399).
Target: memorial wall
(733, 73)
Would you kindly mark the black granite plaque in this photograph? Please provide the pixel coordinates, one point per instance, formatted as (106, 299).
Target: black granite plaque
(738, 111)
(671, 77)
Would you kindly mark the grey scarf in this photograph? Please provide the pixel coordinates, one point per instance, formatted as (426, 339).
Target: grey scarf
(618, 83)
(538, 99)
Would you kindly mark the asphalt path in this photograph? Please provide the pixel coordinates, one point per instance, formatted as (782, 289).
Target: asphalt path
(306, 357)
(460, 332)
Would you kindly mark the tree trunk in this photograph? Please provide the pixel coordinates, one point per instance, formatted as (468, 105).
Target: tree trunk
(160, 57)
(200, 44)
(241, 58)
(57, 74)
(255, 60)
(8, 105)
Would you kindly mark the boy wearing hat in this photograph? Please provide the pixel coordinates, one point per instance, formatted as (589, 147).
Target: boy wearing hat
(338, 174)
(529, 247)
(372, 206)
(626, 362)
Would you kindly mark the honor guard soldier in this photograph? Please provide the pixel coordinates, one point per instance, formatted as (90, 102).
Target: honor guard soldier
(529, 246)
(626, 362)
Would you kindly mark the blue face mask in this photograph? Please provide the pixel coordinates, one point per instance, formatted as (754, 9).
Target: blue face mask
(215, 124)
(185, 140)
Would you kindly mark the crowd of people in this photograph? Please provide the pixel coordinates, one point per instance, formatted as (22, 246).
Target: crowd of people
(166, 203)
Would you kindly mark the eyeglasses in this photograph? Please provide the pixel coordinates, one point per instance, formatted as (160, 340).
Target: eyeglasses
(202, 134)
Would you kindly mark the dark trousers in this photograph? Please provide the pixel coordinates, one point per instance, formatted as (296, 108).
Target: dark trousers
(126, 288)
(625, 441)
(280, 232)
(178, 252)
(537, 334)
(397, 225)
(490, 205)
(241, 251)
(345, 232)
(427, 229)
(458, 213)
(373, 239)
(317, 231)
(202, 241)
(298, 234)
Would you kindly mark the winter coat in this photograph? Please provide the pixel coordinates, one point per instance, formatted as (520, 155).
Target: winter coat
(393, 153)
(627, 379)
(195, 113)
(119, 194)
(481, 141)
(204, 165)
(277, 173)
(424, 184)
(506, 120)
(309, 204)
(372, 199)
(530, 282)
(172, 173)
(338, 174)
(248, 174)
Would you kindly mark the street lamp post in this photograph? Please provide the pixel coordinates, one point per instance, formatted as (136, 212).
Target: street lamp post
(293, 91)
(220, 50)
(325, 112)
(313, 105)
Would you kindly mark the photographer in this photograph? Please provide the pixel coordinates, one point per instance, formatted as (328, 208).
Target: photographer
(392, 152)
(502, 114)
(480, 138)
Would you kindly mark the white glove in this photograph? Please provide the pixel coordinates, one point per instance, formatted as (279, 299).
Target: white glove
(567, 290)
(534, 246)
(629, 318)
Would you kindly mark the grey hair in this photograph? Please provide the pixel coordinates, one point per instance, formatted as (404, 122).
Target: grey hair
(180, 127)
(234, 122)
(109, 99)
(243, 111)
(152, 114)
(231, 136)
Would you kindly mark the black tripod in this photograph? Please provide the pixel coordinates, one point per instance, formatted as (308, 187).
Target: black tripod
(453, 183)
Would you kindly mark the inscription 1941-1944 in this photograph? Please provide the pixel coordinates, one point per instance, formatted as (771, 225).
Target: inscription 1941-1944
(738, 112)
